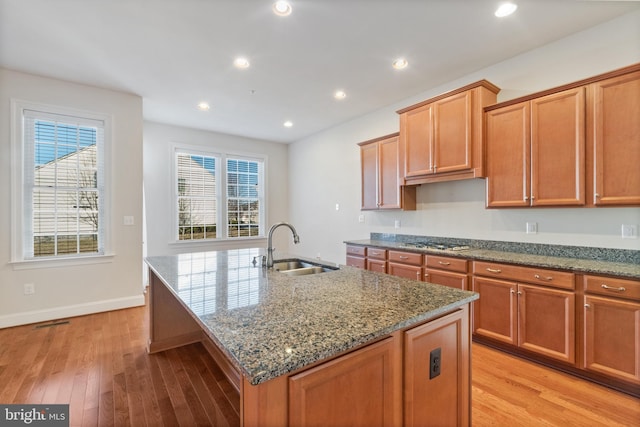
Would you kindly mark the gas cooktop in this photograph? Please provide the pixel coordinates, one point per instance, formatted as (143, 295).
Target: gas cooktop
(435, 245)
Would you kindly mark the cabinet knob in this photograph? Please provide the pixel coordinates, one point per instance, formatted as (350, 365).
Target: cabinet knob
(587, 306)
(417, 275)
(512, 291)
(519, 292)
(426, 274)
(597, 194)
(526, 198)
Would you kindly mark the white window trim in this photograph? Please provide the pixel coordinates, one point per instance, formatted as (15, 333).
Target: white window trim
(18, 261)
(222, 219)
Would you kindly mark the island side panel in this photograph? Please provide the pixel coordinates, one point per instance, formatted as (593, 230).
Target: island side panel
(442, 397)
(170, 325)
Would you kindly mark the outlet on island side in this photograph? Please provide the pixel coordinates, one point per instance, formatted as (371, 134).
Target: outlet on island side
(435, 360)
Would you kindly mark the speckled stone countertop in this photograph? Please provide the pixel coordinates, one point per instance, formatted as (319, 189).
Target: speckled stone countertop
(270, 324)
(554, 257)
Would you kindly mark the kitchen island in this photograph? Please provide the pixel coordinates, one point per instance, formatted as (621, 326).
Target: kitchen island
(344, 347)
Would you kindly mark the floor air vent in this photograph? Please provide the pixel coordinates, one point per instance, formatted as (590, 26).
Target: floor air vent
(48, 325)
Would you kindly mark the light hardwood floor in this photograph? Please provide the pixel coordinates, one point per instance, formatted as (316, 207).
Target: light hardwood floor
(98, 364)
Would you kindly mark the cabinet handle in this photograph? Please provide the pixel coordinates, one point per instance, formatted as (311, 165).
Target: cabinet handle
(403, 257)
(587, 306)
(533, 198)
(444, 263)
(417, 275)
(512, 291)
(519, 292)
(494, 270)
(375, 253)
(613, 288)
(426, 274)
(597, 194)
(548, 278)
(526, 198)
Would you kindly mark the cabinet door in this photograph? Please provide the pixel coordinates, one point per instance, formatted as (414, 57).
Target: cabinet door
(406, 271)
(416, 131)
(356, 261)
(377, 265)
(546, 322)
(369, 171)
(388, 172)
(446, 278)
(441, 400)
(558, 149)
(362, 388)
(612, 337)
(507, 140)
(495, 313)
(616, 106)
(452, 133)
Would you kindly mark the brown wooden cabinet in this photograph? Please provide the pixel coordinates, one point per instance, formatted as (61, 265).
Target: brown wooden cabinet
(446, 271)
(574, 145)
(513, 311)
(443, 399)
(382, 177)
(362, 388)
(441, 138)
(356, 256)
(405, 264)
(536, 151)
(611, 324)
(615, 139)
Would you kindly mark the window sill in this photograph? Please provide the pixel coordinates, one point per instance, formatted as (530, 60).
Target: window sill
(29, 264)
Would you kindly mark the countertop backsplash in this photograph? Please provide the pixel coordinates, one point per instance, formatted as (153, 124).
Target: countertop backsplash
(589, 253)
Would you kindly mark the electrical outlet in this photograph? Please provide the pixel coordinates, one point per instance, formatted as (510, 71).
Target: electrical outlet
(435, 362)
(396, 223)
(360, 218)
(127, 220)
(629, 231)
(532, 227)
(29, 289)
(337, 206)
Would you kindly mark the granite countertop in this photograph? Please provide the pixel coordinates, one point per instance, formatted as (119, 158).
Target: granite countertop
(575, 264)
(270, 324)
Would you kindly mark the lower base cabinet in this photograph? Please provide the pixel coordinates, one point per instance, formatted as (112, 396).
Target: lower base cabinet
(387, 383)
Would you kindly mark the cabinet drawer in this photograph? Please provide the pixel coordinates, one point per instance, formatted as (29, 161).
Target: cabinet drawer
(621, 288)
(446, 263)
(405, 257)
(354, 261)
(540, 276)
(377, 253)
(356, 250)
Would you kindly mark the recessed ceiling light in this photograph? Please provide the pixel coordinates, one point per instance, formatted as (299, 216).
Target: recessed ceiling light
(241, 62)
(505, 9)
(400, 63)
(340, 94)
(287, 124)
(282, 8)
(204, 106)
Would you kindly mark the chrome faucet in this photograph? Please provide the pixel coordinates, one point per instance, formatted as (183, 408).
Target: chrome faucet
(270, 247)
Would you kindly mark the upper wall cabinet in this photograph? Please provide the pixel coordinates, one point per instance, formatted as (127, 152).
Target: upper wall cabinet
(615, 133)
(381, 176)
(441, 138)
(536, 151)
(575, 145)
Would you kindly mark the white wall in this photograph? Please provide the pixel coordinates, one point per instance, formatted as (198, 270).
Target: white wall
(158, 183)
(324, 168)
(68, 291)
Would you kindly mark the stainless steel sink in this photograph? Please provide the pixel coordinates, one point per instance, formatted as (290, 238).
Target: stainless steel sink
(297, 267)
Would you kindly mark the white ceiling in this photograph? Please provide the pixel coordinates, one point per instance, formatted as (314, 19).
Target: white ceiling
(177, 53)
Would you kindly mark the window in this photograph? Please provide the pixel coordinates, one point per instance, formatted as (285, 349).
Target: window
(61, 201)
(218, 196)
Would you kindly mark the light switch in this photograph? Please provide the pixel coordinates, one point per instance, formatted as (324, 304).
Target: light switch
(128, 220)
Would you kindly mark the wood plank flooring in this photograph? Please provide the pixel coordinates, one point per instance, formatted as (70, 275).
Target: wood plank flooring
(98, 364)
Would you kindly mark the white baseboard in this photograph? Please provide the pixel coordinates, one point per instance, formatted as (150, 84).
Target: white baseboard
(36, 316)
